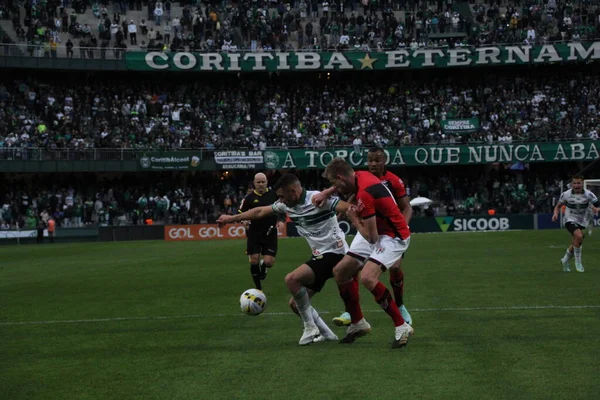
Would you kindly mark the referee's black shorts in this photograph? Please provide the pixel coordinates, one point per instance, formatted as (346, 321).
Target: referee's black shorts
(262, 244)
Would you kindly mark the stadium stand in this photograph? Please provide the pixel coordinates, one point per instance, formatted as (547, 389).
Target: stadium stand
(251, 113)
(51, 28)
(90, 200)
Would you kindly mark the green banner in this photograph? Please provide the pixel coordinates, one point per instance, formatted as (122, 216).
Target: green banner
(438, 155)
(351, 60)
(169, 161)
(460, 126)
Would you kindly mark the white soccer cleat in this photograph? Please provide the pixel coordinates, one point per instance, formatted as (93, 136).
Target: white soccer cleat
(310, 333)
(403, 332)
(325, 338)
(565, 265)
(354, 331)
(579, 266)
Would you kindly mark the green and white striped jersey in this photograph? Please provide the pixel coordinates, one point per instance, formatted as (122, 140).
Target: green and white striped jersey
(318, 225)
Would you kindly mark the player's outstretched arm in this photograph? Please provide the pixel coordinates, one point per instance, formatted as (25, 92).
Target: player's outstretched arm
(341, 207)
(319, 198)
(255, 213)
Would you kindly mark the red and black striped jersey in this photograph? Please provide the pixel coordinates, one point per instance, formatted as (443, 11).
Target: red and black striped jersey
(374, 199)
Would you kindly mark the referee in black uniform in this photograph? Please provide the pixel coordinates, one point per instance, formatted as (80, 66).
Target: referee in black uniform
(261, 234)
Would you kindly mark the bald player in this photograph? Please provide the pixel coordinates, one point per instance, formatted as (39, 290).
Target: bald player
(261, 234)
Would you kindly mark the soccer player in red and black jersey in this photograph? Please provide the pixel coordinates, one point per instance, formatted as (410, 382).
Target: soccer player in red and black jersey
(376, 159)
(383, 237)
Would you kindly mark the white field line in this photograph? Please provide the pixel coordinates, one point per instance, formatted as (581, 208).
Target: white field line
(192, 316)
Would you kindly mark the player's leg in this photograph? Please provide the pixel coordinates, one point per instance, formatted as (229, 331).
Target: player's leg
(387, 252)
(348, 271)
(325, 333)
(564, 261)
(269, 251)
(345, 273)
(254, 260)
(578, 237)
(322, 267)
(295, 282)
(397, 283)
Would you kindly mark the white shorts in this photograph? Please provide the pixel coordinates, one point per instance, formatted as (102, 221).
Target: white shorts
(385, 252)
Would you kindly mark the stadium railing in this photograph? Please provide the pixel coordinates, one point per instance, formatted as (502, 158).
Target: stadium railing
(82, 53)
(132, 154)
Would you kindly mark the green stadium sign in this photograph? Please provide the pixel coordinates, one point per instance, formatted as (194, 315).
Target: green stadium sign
(359, 60)
(438, 155)
(460, 126)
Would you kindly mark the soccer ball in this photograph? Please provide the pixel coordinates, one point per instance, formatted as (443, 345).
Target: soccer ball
(253, 302)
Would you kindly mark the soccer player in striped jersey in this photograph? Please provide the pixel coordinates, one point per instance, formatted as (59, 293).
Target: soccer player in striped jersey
(376, 163)
(319, 226)
(577, 201)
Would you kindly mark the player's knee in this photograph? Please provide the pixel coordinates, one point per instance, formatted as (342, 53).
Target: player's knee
(254, 259)
(290, 280)
(369, 280)
(292, 305)
(577, 237)
(339, 274)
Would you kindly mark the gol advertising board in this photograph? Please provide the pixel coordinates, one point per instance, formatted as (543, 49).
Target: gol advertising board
(178, 233)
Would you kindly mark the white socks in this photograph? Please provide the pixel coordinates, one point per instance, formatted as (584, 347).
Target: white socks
(577, 252)
(323, 328)
(303, 305)
(568, 255)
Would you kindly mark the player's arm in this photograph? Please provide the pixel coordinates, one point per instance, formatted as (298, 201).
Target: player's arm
(366, 226)
(401, 197)
(595, 202)
(405, 208)
(320, 198)
(255, 213)
(364, 219)
(557, 207)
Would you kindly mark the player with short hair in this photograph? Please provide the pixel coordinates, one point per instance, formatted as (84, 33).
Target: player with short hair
(319, 226)
(577, 201)
(261, 235)
(382, 237)
(376, 159)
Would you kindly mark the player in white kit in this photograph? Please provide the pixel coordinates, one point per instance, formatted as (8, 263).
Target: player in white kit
(577, 201)
(319, 226)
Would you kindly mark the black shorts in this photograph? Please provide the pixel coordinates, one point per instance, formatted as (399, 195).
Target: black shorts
(262, 244)
(322, 266)
(572, 227)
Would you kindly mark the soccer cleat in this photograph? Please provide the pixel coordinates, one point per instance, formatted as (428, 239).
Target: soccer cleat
(579, 266)
(360, 329)
(405, 314)
(342, 320)
(403, 332)
(565, 265)
(309, 334)
(325, 338)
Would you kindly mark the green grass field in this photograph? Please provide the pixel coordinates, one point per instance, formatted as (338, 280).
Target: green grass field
(494, 317)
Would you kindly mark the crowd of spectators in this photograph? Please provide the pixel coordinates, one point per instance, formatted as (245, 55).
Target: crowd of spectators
(293, 24)
(120, 201)
(250, 113)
